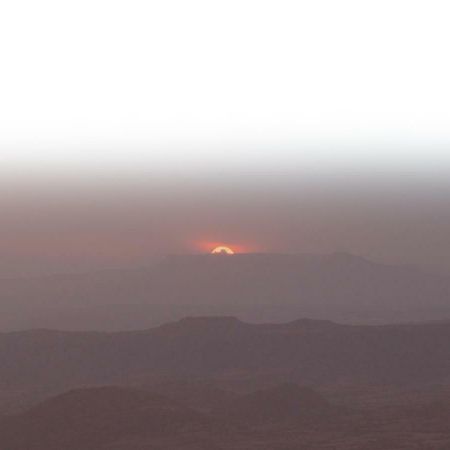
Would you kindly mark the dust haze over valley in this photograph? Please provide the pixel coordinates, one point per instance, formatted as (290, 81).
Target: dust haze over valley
(224, 225)
(121, 331)
(82, 255)
(327, 328)
(50, 225)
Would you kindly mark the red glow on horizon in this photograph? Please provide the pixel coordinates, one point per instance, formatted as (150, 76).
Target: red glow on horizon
(209, 247)
(222, 249)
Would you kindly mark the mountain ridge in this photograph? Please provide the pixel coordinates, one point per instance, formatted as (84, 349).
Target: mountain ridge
(306, 350)
(253, 287)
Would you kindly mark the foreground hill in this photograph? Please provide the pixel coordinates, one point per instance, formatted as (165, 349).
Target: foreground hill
(116, 417)
(286, 416)
(305, 351)
(254, 287)
(92, 418)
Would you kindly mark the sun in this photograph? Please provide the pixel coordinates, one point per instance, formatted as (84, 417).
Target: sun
(222, 250)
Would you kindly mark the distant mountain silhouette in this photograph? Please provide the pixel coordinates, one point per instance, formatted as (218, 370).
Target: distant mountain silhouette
(253, 287)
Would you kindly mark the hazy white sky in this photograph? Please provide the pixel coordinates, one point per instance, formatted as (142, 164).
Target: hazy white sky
(205, 82)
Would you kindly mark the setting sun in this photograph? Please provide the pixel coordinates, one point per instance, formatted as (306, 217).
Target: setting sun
(222, 250)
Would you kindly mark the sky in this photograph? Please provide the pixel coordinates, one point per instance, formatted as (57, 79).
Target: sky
(130, 129)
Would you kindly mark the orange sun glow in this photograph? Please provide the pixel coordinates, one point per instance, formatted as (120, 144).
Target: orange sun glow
(222, 250)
